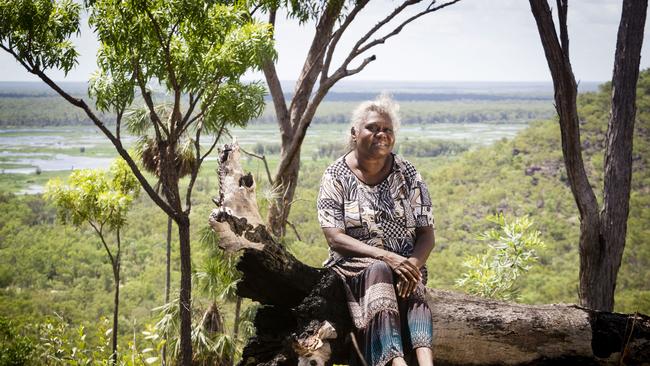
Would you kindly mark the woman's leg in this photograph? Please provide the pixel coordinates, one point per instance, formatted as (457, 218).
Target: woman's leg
(374, 309)
(417, 327)
(424, 356)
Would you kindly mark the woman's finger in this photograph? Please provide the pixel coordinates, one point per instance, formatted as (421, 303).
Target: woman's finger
(411, 274)
(401, 276)
(406, 272)
(411, 288)
(401, 287)
(412, 268)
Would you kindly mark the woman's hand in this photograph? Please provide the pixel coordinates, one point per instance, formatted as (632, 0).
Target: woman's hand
(406, 288)
(407, 270)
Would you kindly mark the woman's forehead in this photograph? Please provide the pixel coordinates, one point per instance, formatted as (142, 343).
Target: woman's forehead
(377, 118)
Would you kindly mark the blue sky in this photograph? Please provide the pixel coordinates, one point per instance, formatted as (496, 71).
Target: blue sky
(473, 40)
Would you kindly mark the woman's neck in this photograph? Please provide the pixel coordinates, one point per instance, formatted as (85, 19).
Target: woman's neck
(370, 170)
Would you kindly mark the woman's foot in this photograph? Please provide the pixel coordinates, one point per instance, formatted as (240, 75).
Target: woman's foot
(398, 361)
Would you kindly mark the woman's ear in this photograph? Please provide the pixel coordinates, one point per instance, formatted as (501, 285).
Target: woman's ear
(353, 132)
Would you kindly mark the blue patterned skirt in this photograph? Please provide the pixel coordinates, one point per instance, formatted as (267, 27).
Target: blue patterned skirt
(386, 327)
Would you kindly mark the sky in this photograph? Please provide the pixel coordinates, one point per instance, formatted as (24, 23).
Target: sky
(473, 40)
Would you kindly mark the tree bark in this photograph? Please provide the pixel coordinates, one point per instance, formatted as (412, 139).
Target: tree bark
(468, 330)
(167, 278)
(185, 299)
(168, 258)
(602, 236)
(116, 299)
(618, 154)
(116, 308)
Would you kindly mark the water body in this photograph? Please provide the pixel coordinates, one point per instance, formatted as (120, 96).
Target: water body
(56, 162)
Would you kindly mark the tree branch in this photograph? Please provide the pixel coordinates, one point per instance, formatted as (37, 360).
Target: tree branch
(565, 100)
(375, 28)
(165, 46)
(275, 89)
(175, 118)
(194, 100)
(214, 143)
(100, 233)
(118, 123)
(336, 36)
(562, 9)
(199, 162)
(263, 158)
(153, 115)
(314, 61)
(295, 231)
(359, 49)
(206, 104)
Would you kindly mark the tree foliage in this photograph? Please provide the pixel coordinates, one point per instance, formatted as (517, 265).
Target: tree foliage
(512, 250)
(37, 32)
(95, 196)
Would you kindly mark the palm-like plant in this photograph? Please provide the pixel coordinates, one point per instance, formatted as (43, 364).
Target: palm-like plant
(217, 278)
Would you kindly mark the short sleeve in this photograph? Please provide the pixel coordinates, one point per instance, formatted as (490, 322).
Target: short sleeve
(330, 203)
(421, 203)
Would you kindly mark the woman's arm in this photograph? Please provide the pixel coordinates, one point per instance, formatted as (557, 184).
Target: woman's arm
(425, 240)
(348, 246)
(424, 243)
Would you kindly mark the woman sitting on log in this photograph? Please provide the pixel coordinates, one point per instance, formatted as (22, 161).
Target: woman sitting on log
(375, 212)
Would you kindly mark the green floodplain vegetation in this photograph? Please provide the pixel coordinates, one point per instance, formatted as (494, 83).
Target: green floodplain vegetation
(51, 270)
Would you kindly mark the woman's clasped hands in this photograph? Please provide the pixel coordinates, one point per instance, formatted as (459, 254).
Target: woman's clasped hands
(407, 271)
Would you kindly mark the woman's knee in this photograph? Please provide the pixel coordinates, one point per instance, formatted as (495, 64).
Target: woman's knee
(381, 270)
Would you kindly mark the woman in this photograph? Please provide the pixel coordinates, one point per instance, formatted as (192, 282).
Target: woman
(375, 212)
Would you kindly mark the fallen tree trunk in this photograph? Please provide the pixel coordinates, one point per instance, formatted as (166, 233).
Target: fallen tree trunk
(297, 301)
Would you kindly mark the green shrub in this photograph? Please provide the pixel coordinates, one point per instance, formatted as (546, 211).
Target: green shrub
(511, 253)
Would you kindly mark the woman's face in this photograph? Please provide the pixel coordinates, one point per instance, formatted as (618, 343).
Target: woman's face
(375, 137)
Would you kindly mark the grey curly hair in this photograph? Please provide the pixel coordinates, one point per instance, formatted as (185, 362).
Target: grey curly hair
(383, 105)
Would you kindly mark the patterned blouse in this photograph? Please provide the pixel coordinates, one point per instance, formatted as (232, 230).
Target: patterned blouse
(384, 215)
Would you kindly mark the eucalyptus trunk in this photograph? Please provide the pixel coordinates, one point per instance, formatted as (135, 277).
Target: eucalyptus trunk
(602, 234)
(601, 267)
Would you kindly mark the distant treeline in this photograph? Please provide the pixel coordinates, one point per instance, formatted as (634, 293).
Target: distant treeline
(407, 148)
(44, 110)
(432, 97)
(507, 116)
